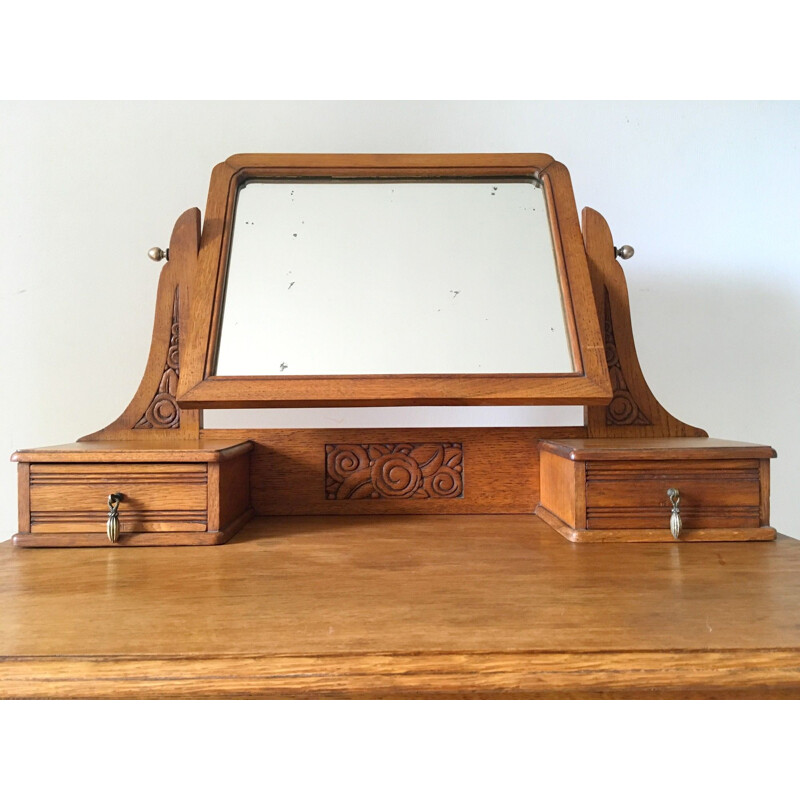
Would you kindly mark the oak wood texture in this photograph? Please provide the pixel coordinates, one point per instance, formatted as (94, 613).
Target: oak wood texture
(616, 490)
(204, 448)
(24, 498)
(153, 413)
(155, 497)
(201, 388)
(561, 489)
(192, 494)
(645, 535)
(586, 449)
(634, 410)
(500, 469)
(431, 606)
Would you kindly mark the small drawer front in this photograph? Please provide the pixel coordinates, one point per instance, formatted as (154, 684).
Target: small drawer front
(714, 494)
(72, 498)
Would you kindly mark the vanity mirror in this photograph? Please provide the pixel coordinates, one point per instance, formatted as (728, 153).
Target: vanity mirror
(395, 280)
(393, 277)
(384, 280)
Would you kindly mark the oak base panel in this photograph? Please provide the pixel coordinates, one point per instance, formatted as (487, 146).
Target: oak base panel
(761, 534)
(133, 539)
(735, 674)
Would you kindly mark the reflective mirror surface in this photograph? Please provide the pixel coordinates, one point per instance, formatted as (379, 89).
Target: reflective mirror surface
(384, 277)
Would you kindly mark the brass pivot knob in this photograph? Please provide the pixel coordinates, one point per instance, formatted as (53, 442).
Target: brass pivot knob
(157, 254)
(625, 252)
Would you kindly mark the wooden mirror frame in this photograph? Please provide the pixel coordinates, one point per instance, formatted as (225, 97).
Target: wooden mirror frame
(200, 388)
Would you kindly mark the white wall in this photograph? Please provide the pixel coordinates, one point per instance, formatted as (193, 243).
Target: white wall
(708, 193)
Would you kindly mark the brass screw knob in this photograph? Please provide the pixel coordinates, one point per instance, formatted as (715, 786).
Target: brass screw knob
(157, 254)
(625, 252)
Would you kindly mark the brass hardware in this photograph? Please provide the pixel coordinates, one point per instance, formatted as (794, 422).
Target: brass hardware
(157, 254)
(625, 252)
(112, 526)
(675, 521)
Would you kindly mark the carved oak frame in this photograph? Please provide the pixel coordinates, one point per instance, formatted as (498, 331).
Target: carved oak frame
(200, 388)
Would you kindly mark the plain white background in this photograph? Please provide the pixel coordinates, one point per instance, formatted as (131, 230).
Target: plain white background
(707, 193)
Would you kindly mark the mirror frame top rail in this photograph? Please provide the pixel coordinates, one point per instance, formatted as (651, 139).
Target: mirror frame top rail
(589, 384)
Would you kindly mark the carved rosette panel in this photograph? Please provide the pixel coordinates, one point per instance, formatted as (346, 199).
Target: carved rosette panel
(394, 471)
(163, 411)
(623, 409)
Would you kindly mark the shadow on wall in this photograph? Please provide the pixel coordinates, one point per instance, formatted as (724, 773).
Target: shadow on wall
(724, 356)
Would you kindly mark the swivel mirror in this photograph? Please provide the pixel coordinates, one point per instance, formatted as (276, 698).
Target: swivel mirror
(367, 277)
(386, 280)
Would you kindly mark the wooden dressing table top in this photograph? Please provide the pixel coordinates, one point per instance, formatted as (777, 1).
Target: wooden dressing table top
(407, 606)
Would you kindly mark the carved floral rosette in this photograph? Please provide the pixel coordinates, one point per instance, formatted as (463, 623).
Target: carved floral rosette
(394, 471)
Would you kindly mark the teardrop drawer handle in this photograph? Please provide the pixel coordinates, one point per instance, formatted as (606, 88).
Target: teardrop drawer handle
(675, 521)
(112, 526)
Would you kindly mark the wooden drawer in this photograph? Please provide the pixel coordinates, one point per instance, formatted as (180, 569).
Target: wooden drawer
(156, 497)
(192, 492)
(714, 494)
(615, 490)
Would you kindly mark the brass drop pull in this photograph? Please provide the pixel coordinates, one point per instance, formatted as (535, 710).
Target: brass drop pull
(675, 521)
(112, 526)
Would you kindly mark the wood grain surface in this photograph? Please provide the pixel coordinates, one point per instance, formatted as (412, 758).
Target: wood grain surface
(425, 606)
(607, 449)
(500, 469)
(148, 451)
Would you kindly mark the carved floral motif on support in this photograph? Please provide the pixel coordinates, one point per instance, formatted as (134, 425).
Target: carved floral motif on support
(623, 409)
(394, 471)
(163, 411)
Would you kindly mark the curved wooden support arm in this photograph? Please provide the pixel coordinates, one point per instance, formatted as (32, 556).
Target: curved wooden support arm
(634, 410)
(153, 412)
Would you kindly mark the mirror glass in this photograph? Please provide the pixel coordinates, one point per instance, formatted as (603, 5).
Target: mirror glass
(392, 277)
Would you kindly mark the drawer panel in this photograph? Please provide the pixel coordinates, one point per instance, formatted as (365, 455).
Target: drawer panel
(630, 495)
(698, 517)
(157, 497)
(129, 521)
(645, 485)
